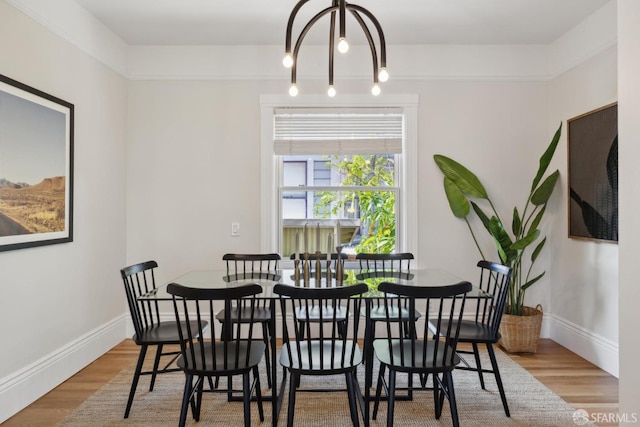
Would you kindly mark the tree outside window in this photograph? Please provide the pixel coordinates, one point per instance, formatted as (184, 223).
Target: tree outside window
(376, 209)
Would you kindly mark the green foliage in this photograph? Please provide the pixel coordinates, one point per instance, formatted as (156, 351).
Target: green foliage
(377, 208)
(462, 185)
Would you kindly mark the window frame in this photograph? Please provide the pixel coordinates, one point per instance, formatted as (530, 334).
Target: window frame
(271, 167)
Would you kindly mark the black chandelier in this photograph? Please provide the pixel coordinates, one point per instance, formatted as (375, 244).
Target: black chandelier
(339, 7)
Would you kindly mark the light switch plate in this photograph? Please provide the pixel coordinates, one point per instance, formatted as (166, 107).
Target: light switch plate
(235, 229)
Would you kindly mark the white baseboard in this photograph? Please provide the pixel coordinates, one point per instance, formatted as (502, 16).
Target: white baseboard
(596, 349)
(23, 387)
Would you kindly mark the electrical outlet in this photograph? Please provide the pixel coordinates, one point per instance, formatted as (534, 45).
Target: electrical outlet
(235, 229)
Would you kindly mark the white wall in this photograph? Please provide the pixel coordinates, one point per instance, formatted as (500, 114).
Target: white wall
(193, 164)
(63, 305)
(629, 152)
(583, 292)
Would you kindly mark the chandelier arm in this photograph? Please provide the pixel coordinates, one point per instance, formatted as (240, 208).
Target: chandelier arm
(372, 46)
(332, 36)
(292, 17)
(383, 45)
(343, 18)
(293, 72)
(306, 29)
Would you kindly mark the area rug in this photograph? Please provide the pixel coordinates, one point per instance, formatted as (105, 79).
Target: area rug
(531, 404)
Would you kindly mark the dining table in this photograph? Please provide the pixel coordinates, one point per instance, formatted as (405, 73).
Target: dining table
(212, 279)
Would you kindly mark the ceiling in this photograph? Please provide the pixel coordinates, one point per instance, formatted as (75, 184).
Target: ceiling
(263, 22)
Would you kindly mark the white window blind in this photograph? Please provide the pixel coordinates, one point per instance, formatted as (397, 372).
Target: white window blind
(338, 131)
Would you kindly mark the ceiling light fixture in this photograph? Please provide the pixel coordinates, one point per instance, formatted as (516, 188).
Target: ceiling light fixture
(339, 8)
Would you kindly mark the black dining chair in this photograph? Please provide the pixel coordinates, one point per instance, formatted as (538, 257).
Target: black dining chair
(249, 266)
(139, 279)
(333, 258)
(312, 315)
(485, 325)
(236, 354)
(385, 265)
(381, 266)
(420, 352)
(321, 349)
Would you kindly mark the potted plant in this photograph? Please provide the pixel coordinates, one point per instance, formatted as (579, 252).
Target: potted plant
(518, 247)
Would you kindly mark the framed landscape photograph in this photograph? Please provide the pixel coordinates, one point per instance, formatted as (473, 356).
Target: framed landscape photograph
(36, 167)
(593, 174)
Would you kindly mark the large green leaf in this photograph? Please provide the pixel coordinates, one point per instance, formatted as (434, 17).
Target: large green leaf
(499, 233)
(457, 201)
(546, 158)
(483, 217)
(542, 194)
(536, 221)
(504, 259)
(537, 250)
(531, 282)
(466, 181)
(516, 224)
(526, 240)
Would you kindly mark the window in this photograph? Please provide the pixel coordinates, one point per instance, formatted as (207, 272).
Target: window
(346, 163)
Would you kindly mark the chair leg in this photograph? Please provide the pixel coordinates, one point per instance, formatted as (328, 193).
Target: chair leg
(192, 400)
(199, 387)
(267, 350)
(293, 381)
(410, 386)
(376, 405)
(438, 394)
(353, 405)
(476, 355)
(436, 397)
(229, 388)
(136, 377)
(246, 400)
(448, 379)
(496, 372)
(256, 376)
(185, 400)
(423, 380)
(156, 363)
(391, 397)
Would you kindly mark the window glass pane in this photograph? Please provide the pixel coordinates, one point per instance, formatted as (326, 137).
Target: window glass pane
(294, 172)
(322, 173)
(367, 217)
(294, 208)
(369, 227)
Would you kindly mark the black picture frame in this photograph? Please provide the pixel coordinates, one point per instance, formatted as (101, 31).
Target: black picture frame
(593, 174)
(36, 167)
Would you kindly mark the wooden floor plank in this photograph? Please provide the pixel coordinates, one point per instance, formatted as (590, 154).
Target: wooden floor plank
(577, 381)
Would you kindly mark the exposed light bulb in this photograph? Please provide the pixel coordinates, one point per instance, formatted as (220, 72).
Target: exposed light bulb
(331, 92)
(293, 90)
(287, 61)
(343, 46)
(375, 90)
(383, 75)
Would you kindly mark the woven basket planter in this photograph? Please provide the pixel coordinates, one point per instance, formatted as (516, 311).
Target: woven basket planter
(520, 333)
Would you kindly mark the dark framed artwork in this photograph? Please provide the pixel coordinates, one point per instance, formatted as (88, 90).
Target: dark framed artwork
(36, 167)
(593, 174)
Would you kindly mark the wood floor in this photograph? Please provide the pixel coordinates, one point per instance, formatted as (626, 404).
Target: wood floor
(577, 381)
